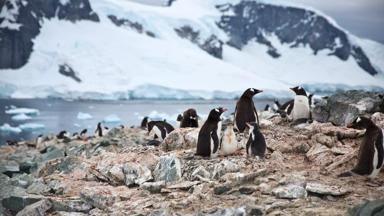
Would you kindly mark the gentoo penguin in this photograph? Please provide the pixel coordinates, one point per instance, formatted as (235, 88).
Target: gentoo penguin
(39, 139)
(11, 142)
(301, 109)
(144, 122)
(285, 109)
(229, 144)
(371, 151)
(62, 135)
(189, 119)
(101, 131)
(208, 139)
(245, 110)
(83, 134)
(256, 141)
(160, 129)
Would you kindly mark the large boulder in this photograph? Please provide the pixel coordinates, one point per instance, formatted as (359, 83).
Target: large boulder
(181, 138)
(36, 209)
(168, 169)
(372, 208)
(343, 107)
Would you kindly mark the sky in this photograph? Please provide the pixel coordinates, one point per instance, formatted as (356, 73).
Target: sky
(364, 18)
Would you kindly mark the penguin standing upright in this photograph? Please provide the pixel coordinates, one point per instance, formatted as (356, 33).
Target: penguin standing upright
(246, 110)
(159, 129)
(256, 142)
(208, 139)
(189, 119)
(229, 144)
(371, 151)
(301, 109)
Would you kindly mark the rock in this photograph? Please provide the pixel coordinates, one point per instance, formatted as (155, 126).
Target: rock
(54, 154)
(371, 208)
(70, 205)
(247, 190)
(135, 173)
(302, 147)
(264, 123)
(28, 165)
(200, 172)
(295, 179)
(168, 169)
(322, 189)
(38, 187)
(277, 157)
(16, 203)
(101, 197)
(64, 213)
(22, 180)
(241, 178)
(227, 212)
(36, 209)
(320, 155)
(218, 190)
(290, 191)
(342, 107)
(325, 140)
(153, 187)
(9, 167)
(378, 119)
(225, 166)
(185, 185)
(117, 173)
(65, 165)
(180, 138)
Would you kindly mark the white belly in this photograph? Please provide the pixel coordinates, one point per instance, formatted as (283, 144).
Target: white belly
(156, 130)
(300, 108)
(376, 161)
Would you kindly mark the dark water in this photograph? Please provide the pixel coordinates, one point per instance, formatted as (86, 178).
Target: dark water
(57, 115)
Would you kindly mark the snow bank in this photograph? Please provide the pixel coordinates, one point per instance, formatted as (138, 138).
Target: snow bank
(20, 117)
(6, 128)
(84, 116)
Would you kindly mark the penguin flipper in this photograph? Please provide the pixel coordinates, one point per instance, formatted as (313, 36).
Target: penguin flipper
(380, 150)
(215, 139)
(257, 116)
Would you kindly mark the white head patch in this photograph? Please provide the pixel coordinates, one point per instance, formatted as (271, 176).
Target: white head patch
(217, 110)
(299, 87)
(358, 119)
(252, 90)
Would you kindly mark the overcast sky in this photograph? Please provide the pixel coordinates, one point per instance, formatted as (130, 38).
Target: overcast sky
(364, 18)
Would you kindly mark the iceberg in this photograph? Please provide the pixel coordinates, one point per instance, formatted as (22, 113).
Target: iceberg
(9, 129)
(20, 117)
(84, 116)
(113, 118)
(26, 111)
(31, 126)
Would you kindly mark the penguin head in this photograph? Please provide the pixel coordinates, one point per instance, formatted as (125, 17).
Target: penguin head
(299, 90)
(215, 114)
(150, 126)
(83, 131)
(360, 123)
(144, 122)
(179, 117)
(191, 114)
(250, 92)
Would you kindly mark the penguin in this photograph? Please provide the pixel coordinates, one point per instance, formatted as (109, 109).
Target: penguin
(208, 138)
(229, 144)
(189, 119)
(267, 108)
(285, 109)
(63, 135)
(39, 139)
(371, 151)
(100, 131)
(256, 141)
(121, 127)
(144, 122)
(245, 109)
(83, 134)
(11, 142)
(160, 129)
(301, 109)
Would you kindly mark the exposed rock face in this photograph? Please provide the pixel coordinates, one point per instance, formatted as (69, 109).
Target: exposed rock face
(212, 45)
(343, 107)
(24, 22)
(36, 209)
(257, 21)
(132, 25)
(67, 71)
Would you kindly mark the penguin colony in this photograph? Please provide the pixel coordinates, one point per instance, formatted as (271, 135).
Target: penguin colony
(243, 131)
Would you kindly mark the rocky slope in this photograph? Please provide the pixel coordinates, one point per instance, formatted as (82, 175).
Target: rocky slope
(120, 175)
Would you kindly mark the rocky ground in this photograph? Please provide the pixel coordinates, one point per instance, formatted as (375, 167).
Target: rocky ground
(119, 175)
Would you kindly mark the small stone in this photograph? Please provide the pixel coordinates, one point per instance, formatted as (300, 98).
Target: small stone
(185, 185)
(70, 205)
(153, 187)
(218, 190)
(136, 174)
(225, 166)
(36, 209)
(9, 167)
(168, 169)
(290, 192)
(318, 188)
(38, 187)
(247, 190)
(200, 171)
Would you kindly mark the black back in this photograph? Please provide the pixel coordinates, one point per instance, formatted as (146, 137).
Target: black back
(83, 132)
(163, 126)
(266, 108)
(189, 119)
(144, 122)
(61, 135)
(246, 110)
(207, 132)
(256, 142)
(373, 138)
(99, 129)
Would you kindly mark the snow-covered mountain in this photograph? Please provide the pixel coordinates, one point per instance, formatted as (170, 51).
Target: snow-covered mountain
(123, 49)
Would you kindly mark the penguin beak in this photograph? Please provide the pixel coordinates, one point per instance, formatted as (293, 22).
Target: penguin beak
(258, 91)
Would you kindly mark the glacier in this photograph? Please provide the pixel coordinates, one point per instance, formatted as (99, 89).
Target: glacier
(118, 62)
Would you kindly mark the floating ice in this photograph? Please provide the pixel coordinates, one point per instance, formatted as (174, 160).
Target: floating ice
(20, 117)
(9, 129)
(84, 116)
(155, 115)
(27, 111)
(112, 119)
(31, 126)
